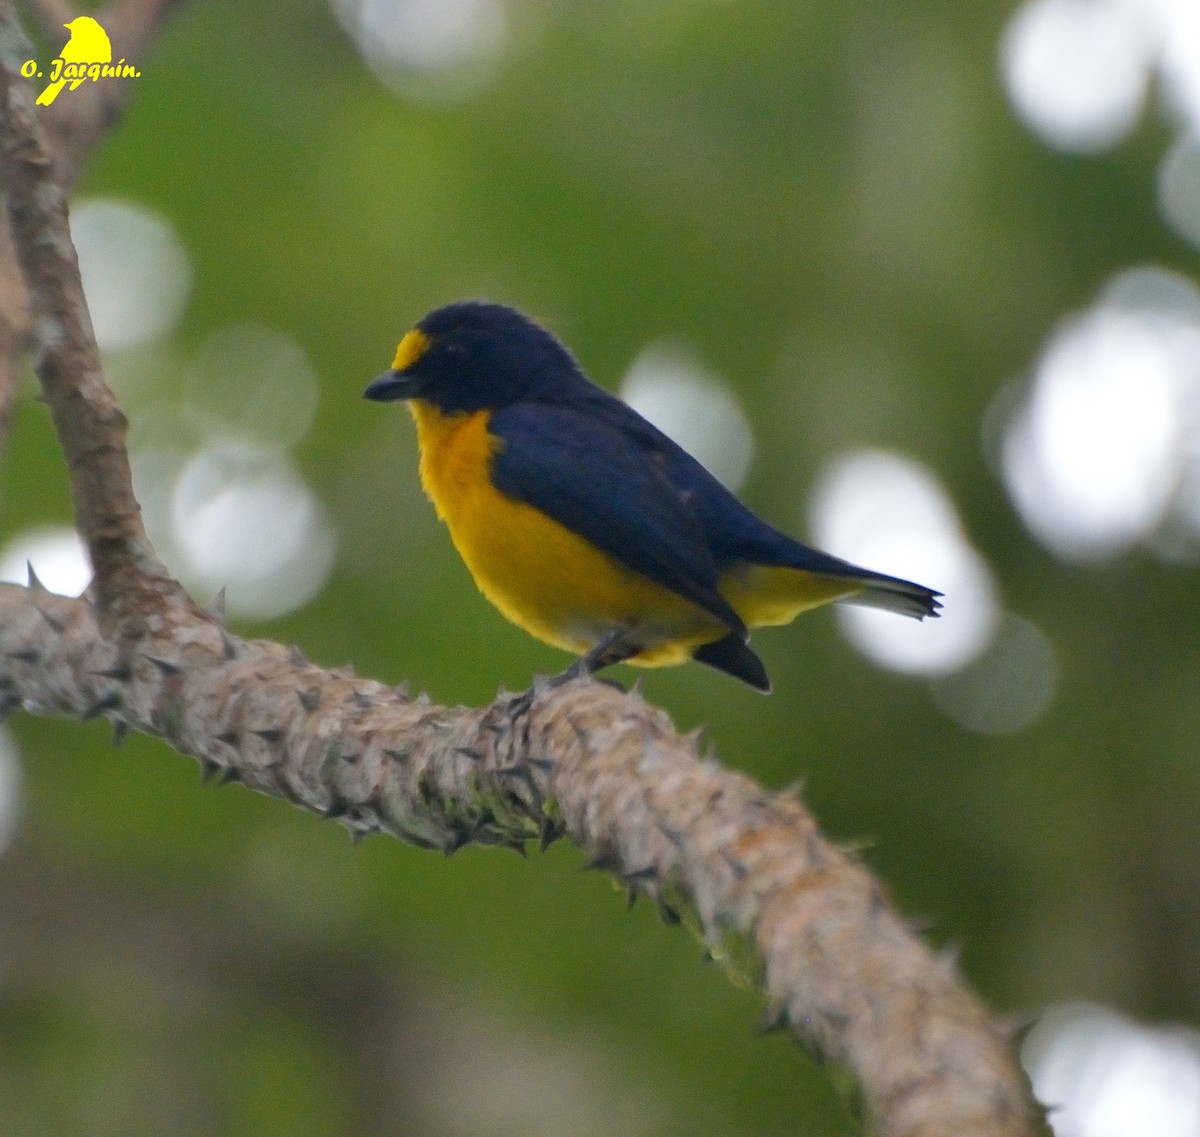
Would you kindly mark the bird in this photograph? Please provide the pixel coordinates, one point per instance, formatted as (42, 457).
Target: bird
(586, 525)
(89, 43)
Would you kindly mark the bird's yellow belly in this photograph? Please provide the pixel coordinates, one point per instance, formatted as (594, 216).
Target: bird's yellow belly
(538, 573)
(766, 595)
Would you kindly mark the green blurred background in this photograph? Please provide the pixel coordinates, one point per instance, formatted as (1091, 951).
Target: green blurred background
(832, 215)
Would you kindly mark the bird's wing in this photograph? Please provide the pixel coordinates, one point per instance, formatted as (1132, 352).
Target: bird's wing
(735, 535)
(596, 474)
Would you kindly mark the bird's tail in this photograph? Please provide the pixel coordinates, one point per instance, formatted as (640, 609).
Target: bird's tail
(784, 578)
(895, 595)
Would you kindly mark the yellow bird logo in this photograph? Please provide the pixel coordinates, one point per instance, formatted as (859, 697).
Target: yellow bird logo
(88, 46)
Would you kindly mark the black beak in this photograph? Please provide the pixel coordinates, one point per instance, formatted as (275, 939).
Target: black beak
(392, 385)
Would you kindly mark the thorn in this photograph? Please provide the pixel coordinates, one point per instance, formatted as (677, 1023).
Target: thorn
(640, 876)
(120, 732)
(420, 841)
(486, 834)
(109, 702)
(604, 862)
(794, 791)
(675, 836)
(631, 895)
(309, 700)
(1016, 1030)
(269, 734)
(517, 845)
(362, 700)
(948, 958)
(165, 666)
(518, 770)
(336, 808)
(459, 836)
(481, 830)
(297, 657)
(668, 914)
(549, 833)
(737, 867)
(228, 645)
(34, 584)
(208, 768)
(707, 957)
(216, 607)
(117, 674)
(229, 774)
(229, 738)
(816, 856)
(774, 1018)
(25, 655)
(55, 622)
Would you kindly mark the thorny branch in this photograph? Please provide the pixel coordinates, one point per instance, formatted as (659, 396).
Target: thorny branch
(748, 870)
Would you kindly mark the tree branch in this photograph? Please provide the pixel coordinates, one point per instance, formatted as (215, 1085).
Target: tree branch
(90, 426)
(748, 870)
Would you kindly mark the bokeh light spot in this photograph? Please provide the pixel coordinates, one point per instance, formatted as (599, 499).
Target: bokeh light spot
(669, 385)
(11, 792)
(136, 273)
(243, 519)
(57, 555)
(1179, 40)
(1096, 453)
(1104, 1076)
(1179, 187)
(1006, 688)
(255, 380)
(1076, 70)
(889, 513)
(439, 49)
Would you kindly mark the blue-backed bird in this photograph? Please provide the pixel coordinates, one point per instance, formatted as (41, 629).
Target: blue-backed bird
(586, 525)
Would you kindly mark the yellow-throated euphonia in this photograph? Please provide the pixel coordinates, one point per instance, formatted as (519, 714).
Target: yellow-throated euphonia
(586, 525)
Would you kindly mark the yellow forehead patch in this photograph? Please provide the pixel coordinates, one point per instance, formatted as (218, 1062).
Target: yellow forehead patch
(414, 345)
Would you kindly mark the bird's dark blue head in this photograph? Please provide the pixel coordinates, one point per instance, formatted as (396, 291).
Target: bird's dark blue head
(472, 356)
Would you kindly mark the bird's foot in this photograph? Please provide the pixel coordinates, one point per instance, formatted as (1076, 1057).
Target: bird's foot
(613, 648)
